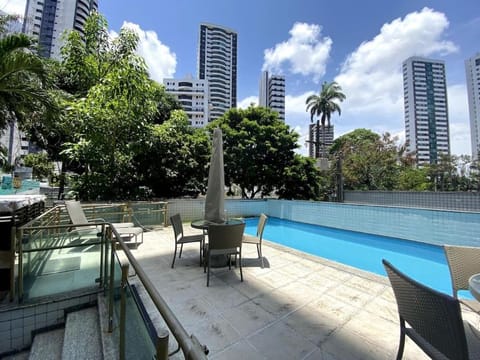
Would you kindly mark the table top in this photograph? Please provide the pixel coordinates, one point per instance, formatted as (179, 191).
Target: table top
(474, 286)
(204, 224)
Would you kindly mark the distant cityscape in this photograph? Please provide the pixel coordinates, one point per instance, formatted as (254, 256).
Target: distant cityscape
(213, 91)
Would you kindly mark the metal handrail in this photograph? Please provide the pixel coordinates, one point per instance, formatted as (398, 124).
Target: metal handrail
(191, 347)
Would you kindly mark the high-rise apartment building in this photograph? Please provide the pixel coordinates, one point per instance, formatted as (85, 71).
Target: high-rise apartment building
(472, 69)
(312, 136)
(47, 20)
(217, 63)
(426, 109)
(193, 95)
(272, 93)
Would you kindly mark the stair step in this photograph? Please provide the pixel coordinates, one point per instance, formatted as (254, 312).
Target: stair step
(47, 345)
(82, 336)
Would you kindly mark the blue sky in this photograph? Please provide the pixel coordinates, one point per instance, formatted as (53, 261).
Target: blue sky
(360, 44)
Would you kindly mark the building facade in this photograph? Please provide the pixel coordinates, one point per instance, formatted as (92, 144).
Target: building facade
(217, 63)
(193, 95)
(47, 20)
(312, 136)
(426, 109)
(272, 93)
(472, 70)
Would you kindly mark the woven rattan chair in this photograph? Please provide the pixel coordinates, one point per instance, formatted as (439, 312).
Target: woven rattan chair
(257, 240)
(181, 239)
(224, 240)
(434, 320)
(463, 262)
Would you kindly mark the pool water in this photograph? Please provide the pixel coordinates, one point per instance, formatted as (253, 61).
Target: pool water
(423, 262)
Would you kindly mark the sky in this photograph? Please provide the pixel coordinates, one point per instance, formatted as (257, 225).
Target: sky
(359, 44)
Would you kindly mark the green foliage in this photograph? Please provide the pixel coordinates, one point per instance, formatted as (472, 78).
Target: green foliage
(302, 181)
(413, 179)
(166, 104)
(180, 155)
(42, 166)
(111, 106)
(259, 153)
(23, 80)
(370, 162)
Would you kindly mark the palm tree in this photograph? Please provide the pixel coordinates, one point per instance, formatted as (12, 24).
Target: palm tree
(323, 106)
(23, 79)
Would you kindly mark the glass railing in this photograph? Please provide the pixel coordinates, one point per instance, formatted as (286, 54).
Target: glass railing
(56, 257)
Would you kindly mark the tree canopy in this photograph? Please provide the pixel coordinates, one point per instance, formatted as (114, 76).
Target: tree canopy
(259, 153)
(23, 77)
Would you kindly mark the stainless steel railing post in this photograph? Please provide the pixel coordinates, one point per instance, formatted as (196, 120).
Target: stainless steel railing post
(123, 310)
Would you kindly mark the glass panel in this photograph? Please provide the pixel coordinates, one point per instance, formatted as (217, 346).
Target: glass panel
(149, 214)
(138, 335)
(139, 343)
(56, 261)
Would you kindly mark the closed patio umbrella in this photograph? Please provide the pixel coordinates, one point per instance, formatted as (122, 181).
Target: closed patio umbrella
(214, 202)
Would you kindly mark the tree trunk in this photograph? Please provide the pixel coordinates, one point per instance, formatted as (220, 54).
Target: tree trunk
(317, 140)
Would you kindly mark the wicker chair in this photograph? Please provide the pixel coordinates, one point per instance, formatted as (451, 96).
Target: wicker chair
(257, 240)
(181, 239)
(463, 262)
(434, 319)
(224, 240)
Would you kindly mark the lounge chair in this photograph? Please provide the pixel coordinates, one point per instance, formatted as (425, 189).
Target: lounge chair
(224, 240)
(257, 240)
(126, 230)
(181, 239)
(434, 320)
(463, 262)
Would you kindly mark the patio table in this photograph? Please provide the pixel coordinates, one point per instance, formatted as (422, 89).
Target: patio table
(474, 286)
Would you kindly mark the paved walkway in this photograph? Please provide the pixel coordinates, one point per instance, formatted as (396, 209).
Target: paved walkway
(297, 307)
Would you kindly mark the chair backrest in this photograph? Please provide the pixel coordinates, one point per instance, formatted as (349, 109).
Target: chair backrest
(435, 316)
(225, 236)
(76, 213)
(177, 225)
(261, 225)
(463, 262)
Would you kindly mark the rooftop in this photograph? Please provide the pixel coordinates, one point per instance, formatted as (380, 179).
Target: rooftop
(298, 307)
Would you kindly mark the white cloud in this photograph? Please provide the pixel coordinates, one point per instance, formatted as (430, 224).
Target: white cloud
(245, 103)
(305, 51)
(371, 76)
(161, 61)
(14, 7)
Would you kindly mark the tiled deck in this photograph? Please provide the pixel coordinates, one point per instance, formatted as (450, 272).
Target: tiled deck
(297, 307)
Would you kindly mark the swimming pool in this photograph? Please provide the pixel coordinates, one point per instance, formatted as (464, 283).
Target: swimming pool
(423, 262)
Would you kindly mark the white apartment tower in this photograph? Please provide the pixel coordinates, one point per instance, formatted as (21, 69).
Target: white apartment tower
(472, 69)
(426, 109)
(272, 93)
(217, 63)
(193, 95)
(47, 20)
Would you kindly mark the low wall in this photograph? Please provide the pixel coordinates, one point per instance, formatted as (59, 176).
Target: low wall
(448, 200)
(432, 226)
(425, 225)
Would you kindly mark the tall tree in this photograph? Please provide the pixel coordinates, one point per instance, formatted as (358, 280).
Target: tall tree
(23, 78)
(370, 161)
(323, 106)
(174, 160)
(258, 148)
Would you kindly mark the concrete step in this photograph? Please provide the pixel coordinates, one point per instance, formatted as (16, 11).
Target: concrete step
(82, 336)
(47, 345)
